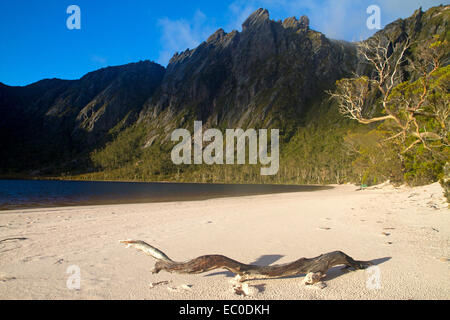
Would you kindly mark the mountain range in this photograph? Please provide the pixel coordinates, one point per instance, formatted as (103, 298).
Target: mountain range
(272, 74)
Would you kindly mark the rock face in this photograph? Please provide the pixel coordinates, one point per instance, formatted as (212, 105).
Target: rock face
(257, 18)
(266, 76)
(302, 23)
(54, 120)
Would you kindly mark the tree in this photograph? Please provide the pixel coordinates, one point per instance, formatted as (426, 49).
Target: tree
(418, 111)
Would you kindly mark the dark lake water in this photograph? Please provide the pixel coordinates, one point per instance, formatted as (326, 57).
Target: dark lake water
(17, 194)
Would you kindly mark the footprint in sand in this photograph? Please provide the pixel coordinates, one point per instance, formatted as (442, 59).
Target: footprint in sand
(13, 239)
(430, 229)
(4, 278)
(432, 205)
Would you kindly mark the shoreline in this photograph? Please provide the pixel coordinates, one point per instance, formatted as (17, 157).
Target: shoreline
(403, 230)
(165, 182)
(49, 193)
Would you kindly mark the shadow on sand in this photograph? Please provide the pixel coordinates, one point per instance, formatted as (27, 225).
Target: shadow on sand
(338, 271)
(267, 260)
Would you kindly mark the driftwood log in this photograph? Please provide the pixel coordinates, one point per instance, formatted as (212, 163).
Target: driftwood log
(314, 268)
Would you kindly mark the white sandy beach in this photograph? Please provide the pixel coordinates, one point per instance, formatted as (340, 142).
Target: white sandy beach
(405, 231)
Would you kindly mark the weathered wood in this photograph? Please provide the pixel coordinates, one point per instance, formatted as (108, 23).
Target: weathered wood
(316, 268)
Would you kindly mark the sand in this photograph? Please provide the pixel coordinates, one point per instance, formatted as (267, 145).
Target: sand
(405, 231)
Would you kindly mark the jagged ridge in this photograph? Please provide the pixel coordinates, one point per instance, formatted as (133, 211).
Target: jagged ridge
(271, 74)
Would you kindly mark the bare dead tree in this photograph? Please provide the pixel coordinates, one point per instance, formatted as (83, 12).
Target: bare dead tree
(402, 103)
(315, 268)
(353, 94)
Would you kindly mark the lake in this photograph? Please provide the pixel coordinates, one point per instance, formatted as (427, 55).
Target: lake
(17, 194)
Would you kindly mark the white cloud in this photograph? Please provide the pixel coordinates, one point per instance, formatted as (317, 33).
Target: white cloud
(179, 35)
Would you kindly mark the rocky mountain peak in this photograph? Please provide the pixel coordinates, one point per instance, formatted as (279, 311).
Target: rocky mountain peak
(217, 36)
(292, 22)
(304, 22)
(258, 17)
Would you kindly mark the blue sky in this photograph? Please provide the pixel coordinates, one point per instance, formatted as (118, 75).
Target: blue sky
(36, 43)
